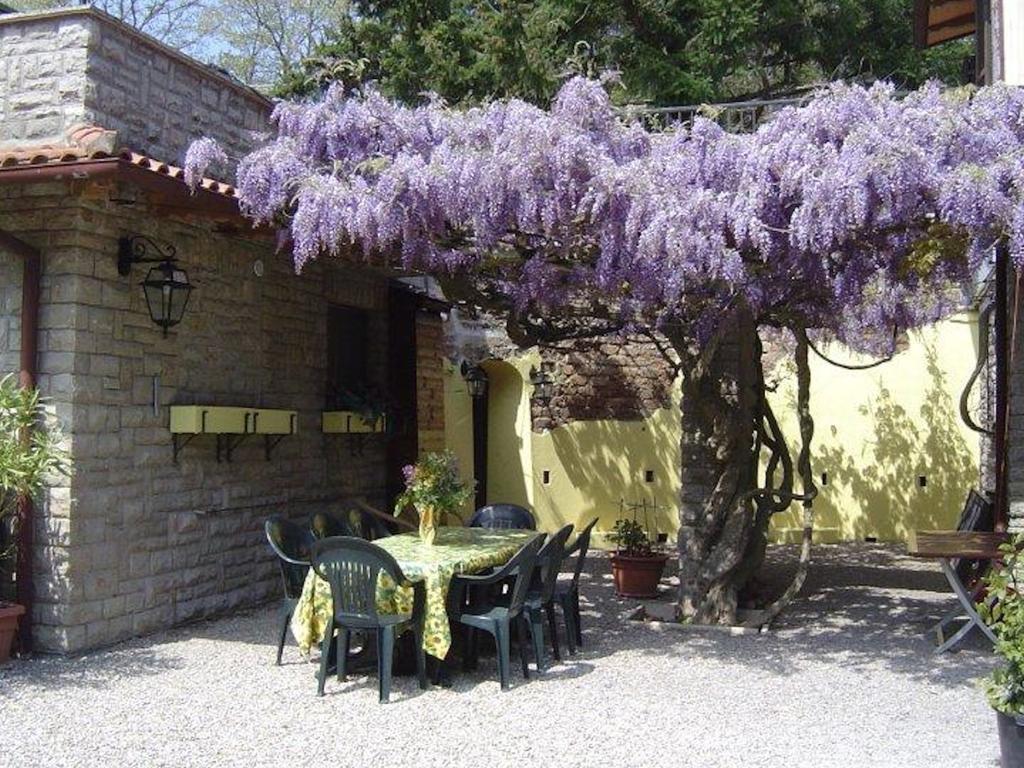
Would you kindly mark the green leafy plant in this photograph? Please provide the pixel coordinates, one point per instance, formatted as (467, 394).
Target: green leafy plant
(366, 400)
(1003, 610)
(631, 539)
(29, 453)
(434, 483)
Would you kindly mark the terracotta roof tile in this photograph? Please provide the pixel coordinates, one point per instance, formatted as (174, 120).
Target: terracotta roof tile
(83, 143)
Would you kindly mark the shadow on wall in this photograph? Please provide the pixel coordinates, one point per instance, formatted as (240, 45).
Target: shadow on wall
(878, 434)
(910, 472)
(595, 467)
(614, 442)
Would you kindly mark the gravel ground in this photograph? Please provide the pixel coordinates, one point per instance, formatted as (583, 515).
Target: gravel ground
(847, 679)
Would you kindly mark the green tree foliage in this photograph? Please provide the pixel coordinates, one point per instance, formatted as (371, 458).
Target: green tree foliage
(667, 51)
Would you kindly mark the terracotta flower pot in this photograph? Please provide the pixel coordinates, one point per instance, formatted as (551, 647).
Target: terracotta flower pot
(637, 576)
(9, 614)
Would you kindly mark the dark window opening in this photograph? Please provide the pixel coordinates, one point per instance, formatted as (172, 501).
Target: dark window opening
(348, 353)
(649, 476)
(547, 477)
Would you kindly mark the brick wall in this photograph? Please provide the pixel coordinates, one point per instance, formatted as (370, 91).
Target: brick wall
(430, 382)
(80, 65)
(134, 542)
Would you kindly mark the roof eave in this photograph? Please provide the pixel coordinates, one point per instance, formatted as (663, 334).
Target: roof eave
(172, 191)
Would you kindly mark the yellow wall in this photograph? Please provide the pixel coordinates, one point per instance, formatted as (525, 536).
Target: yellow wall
(509, 461)
(877, 431)
(458, 425)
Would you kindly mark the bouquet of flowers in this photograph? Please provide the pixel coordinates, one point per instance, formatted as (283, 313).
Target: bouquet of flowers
(433, 487)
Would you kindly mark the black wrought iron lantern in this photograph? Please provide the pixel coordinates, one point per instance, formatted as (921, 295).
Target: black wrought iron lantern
(166, 287)
(476, 380)
(543, 384)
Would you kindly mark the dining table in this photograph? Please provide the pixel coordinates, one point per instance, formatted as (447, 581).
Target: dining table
(454, 551)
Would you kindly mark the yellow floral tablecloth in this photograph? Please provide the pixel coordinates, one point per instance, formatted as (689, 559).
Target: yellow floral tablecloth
(454, 551)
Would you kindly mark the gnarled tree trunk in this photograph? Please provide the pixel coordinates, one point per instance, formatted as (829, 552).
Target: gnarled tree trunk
(721, 394)
(728, 497)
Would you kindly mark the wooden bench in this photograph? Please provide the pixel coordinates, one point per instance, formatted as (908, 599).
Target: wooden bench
(951, 548)
(956, 545)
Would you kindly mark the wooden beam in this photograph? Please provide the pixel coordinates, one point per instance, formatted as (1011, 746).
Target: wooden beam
(921, 8)
(939, 21)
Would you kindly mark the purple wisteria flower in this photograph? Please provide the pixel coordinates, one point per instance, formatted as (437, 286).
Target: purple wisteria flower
(201, 155)
(852, 215)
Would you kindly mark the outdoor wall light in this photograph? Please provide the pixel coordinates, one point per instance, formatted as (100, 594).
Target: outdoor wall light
(543, 384)
(166, 287)
(476, 380)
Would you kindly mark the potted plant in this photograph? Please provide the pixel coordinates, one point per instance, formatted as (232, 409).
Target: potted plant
(1002, 608)
(636, 566)
(29, 452)
(433, 487)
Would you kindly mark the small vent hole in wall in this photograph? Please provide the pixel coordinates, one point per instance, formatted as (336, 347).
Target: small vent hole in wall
(922, 481)
(824, 478)
(871, 539)
(649, 476)
(546, 477)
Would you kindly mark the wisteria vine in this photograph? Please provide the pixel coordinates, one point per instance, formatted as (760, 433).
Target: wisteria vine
(854, 214)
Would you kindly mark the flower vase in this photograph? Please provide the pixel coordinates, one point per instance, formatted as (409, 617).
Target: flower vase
(429, 520)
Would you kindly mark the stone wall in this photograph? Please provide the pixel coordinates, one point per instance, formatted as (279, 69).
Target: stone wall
(39, 216)
(43, 80)
(80, 65)
(136, 543)
(621, 379)
(132, 542)
(10, 311)
(617, 378)
(160, 101)
(1015, 453)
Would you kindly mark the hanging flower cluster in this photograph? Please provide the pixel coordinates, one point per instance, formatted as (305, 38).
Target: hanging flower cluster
(855, 213)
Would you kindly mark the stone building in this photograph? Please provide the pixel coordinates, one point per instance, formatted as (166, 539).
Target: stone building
(93, 116)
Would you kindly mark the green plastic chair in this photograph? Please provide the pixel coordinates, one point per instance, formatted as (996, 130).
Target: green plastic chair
(292, 544)
(324, 525)
(503, 516)
(567, 592)
(483, 614)
(352, 567)
(540, 599)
